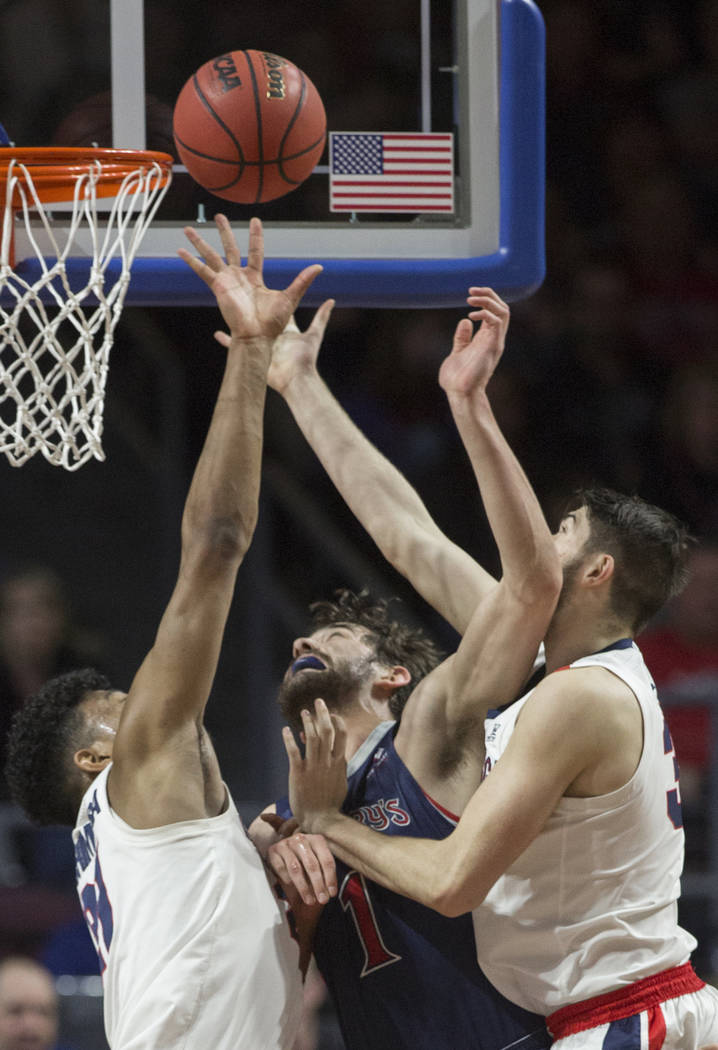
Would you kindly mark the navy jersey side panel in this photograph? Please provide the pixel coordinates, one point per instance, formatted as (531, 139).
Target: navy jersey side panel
(403, 977)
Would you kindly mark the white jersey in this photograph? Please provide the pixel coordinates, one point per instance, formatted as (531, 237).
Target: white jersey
(195, 949)
(591, 905)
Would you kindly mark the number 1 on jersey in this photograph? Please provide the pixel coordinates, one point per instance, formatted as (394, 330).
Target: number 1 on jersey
(354, 897)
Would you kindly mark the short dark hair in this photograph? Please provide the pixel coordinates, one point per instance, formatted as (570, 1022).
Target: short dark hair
(649, 546)
(44, 733)
(395, 643)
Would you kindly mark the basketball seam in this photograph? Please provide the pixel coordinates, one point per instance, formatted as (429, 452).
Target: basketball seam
(207, 104)
(290, 125)
(258, 111)
(251, 163)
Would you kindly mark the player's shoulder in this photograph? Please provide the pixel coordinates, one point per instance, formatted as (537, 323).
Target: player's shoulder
(591, 694)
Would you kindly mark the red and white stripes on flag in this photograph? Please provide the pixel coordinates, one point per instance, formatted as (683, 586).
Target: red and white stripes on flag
(391, 171)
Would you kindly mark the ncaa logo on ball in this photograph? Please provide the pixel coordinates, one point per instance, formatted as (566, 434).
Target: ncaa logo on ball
(227, 72)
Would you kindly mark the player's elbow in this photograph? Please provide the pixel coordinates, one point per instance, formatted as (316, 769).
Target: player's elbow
(446, 894)
(452, 894)
(540, 587)
(220, 540)
(453, 901)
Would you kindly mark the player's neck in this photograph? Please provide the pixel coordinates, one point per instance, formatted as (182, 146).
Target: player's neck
(571, 636)
(360, 721)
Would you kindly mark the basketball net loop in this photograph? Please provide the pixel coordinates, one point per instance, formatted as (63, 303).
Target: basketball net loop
(54, 362)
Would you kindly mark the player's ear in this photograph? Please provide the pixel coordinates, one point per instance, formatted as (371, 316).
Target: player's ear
(599, 569)
(391, 679)
(93, 759)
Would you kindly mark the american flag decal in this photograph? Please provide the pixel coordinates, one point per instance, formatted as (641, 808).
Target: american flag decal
(391, 171)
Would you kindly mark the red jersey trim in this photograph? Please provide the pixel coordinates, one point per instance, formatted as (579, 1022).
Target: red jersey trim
(625, 1002)
(442, 809)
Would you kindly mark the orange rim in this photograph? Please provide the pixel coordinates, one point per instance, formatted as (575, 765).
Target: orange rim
(54, 170)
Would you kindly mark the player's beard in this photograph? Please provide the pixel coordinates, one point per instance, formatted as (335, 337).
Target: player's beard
(337, 688)
(570, 573)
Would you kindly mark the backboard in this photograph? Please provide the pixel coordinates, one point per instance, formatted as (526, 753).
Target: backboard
(474, 68)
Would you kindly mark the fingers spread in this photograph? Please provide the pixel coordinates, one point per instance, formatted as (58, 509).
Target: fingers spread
(290, 746)
(301, 282)
(463, 334)
(321, 318)
(212, 258)
(340, 736)
(231, 252)
(255, 255)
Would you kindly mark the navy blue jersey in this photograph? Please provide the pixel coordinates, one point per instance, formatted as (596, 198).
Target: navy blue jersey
(401, 975)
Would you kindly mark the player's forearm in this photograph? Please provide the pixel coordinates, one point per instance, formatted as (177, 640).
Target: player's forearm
(224, 493)
(528, 557)
(410, 866)
(386, 504)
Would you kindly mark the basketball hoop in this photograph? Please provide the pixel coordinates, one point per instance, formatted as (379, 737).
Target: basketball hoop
(54, 362)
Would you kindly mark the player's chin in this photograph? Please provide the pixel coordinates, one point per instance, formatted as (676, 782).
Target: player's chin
(298, 692)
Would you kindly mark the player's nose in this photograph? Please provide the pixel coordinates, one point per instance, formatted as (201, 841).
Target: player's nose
(301, 646)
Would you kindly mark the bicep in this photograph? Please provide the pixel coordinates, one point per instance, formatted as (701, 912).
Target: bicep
(511, 807)
(173, 683)
(497, 653)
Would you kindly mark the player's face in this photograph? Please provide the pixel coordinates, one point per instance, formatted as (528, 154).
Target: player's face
(571, 539)
(333, 663)
(103, 710)
(572, 535)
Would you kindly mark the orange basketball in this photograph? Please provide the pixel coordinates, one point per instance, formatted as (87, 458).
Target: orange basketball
(249, 126)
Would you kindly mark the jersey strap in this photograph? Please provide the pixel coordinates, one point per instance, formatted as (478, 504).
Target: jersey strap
(624, 1002)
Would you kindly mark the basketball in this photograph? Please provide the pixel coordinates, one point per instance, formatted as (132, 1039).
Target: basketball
(249, 126)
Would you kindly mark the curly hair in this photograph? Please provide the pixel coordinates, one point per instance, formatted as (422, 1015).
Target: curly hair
(649, 545)
(44, 733)
(394, 642)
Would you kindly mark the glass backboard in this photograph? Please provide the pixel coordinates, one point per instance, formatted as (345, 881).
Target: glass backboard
(474, 68)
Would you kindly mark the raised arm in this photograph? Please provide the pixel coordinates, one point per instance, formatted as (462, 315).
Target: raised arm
(502, 638)
(504, 634)
(160, 723)
(376, 492)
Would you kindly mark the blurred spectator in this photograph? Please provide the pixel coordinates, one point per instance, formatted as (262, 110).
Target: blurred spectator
(29, 1013)
(689, 103)
(38, 640)
(682, 654)
(685, 464)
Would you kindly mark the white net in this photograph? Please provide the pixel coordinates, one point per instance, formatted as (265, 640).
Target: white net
(55, 340)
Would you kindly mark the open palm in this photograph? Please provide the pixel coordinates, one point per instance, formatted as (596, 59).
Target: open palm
(249, 308)
(475, 354)
(295, 352)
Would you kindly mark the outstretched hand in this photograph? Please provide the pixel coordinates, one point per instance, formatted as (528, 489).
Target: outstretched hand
(249, 308)
(317, 782)
(294, 351)
(475, 355)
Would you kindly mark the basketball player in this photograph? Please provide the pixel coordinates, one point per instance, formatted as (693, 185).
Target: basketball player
(570, 853)
(194, 948)
(402, 976)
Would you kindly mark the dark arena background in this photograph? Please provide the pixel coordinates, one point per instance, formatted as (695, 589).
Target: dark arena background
(610, 376)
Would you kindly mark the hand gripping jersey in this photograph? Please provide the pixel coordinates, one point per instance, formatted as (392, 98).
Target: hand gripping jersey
(403, 977)
(194, 948)
(591, 905)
